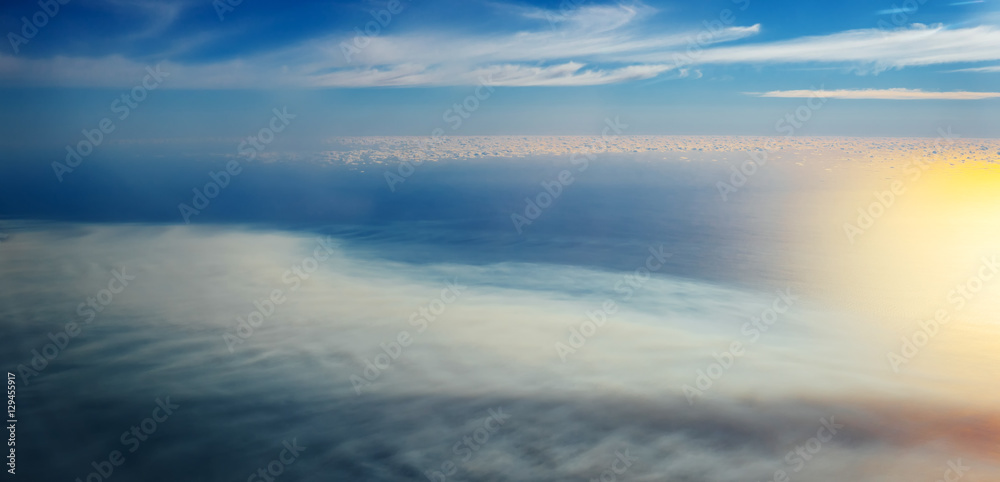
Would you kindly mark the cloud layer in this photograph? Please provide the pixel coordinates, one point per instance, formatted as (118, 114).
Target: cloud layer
(886, 94)
(589, 45)
(491, 349)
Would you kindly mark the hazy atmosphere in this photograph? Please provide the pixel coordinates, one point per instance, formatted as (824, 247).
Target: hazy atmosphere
(500, 241)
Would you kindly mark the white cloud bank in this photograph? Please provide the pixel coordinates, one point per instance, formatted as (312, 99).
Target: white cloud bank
(491, 348)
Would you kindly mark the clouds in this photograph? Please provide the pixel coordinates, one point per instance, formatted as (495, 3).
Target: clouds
(568, 74)
(490, 349)
(592, 44)
(613, 37)
(886, 94)
(989, 69)
(596, 33)
(579, 47)
(912, 46)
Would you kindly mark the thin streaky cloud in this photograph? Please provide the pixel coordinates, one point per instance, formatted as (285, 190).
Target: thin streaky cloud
(579, 50)
(992, 68)
(567, 74)
(891, 11)
(591, 45)
(912, 46)
(879, 94)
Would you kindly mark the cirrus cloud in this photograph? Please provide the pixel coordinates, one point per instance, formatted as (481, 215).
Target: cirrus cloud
(883, 94)
(589, 45)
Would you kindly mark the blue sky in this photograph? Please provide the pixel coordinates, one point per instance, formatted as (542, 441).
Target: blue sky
(716, 67)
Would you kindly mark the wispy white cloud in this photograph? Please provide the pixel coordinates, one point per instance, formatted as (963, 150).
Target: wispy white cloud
(577, 47)
(992, 68)
(917, 45)
(590, 45)
(885, 94)
(595, 33)
(566, 74)
(890, 11)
